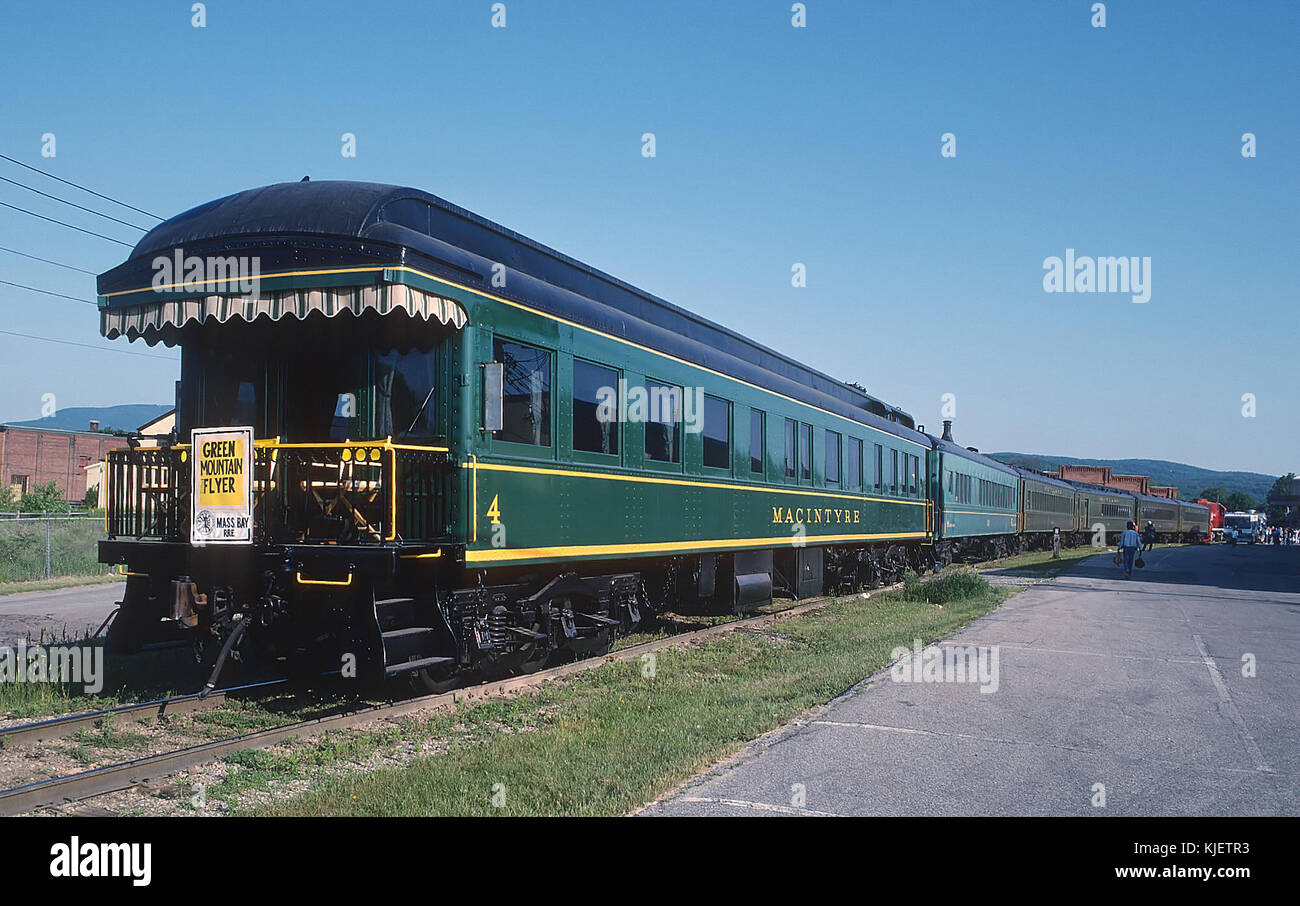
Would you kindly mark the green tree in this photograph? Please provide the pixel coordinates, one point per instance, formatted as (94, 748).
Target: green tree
(1238, 501)
(44, 498)
(8, 500)
(1218, 492)
(1278, 513)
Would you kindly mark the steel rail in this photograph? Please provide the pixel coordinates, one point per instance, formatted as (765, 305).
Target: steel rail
(60, 727)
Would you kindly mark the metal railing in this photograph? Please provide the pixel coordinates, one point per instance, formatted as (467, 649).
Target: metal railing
(148, 493)
(364, 492)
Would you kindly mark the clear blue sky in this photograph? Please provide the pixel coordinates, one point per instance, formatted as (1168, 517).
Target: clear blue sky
(775, 145)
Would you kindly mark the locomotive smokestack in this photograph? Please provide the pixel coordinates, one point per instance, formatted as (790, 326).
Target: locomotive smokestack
(947, 429)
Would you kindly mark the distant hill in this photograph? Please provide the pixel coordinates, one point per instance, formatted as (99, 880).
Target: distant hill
(73, 418)
(1189, 480)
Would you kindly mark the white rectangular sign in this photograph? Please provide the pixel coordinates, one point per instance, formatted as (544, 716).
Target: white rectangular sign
(221, 486)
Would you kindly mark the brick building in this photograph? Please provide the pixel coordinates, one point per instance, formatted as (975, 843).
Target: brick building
(33, 456)
(1138, 484)
(1102, 475)
(1091, 474)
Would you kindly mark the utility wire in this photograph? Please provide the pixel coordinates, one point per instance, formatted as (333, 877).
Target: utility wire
(143, 355)
(68, 225)
(82, 188)
(47, 292)
(46, 260)
(23, 185)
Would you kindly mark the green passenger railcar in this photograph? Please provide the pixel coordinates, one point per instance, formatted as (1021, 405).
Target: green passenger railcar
(1161, 512)
(471, 452)
(976, 501)
(1047, 505)
(1193, 522)
(733, 466)
(1103, 512)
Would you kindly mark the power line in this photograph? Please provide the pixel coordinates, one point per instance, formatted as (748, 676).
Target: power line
(143, 355)
(46, 260)
(68, 225)
(23, 185)
(82, 188)
(47, 292)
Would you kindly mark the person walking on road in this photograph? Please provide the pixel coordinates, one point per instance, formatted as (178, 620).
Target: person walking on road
(1149, 536)
(1129, 542)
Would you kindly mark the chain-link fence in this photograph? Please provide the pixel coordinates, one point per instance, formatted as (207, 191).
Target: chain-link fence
(35, 546)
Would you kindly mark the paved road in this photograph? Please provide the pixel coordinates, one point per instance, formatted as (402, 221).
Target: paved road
(1135, 685)
(61, 612)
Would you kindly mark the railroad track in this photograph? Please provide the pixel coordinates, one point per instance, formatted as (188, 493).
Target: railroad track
(61, 727)
(112, 778)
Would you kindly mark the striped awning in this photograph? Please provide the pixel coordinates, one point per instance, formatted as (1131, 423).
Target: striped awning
(161, 319)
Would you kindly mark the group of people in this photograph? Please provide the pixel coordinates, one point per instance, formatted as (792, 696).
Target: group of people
(1279, 535)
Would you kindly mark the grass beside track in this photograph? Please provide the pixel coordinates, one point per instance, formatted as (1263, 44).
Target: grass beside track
(128, 679)
(609, 740)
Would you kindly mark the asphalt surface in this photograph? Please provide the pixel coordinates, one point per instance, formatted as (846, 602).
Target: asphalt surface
(1131, 690)
(59, 613)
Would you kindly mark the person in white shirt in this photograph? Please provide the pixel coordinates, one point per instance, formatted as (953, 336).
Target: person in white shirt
(1129, 542)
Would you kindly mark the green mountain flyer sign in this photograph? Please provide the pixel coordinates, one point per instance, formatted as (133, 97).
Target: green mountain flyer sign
(221, 486)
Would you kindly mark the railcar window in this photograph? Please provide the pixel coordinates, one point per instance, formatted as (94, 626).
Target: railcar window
(595, 408)
(404, 395)
(893, 473)
(233, 392)
(855, 463)
(717, 433)
(757, 435)
(527, 396)
(913, 468)
(878, 467)
(663, 427)
(805, 451)
(832, 457)
(320, 400)
(789, 448)
(964, 488)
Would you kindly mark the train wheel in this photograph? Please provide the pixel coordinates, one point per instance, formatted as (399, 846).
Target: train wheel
(536, 654)
(436, 680)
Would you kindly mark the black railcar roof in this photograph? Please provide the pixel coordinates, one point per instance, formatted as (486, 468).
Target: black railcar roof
(947, 446)
(356, 210)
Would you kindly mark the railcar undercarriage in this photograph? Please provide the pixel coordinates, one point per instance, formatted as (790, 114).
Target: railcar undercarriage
(379, 618)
